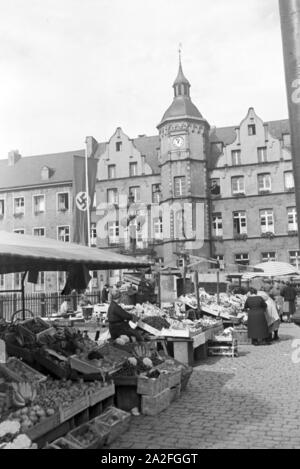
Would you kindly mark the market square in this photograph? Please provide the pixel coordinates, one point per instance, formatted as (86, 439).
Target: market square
(150, 279)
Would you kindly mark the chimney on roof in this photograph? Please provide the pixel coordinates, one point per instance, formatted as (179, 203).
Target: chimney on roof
(13, 157)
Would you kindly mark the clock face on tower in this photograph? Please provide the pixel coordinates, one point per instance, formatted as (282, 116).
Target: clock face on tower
(178, 142)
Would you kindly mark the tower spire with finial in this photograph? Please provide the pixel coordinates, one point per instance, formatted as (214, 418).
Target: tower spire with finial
(181, 84)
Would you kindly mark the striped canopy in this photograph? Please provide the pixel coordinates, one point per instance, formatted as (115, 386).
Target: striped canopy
(271, 269)
(20, 253)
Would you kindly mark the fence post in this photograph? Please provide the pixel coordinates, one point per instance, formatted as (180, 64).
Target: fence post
(43, 305)
(74, 300)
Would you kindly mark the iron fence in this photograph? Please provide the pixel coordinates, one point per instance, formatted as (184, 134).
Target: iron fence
(41, 304)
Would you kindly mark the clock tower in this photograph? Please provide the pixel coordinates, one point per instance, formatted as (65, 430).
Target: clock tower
(184, 147)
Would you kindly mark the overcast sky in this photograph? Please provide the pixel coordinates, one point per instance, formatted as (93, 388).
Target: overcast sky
(72, 68)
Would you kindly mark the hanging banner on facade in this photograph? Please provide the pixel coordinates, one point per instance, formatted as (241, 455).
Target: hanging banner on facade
(81, 201)
(290, 27)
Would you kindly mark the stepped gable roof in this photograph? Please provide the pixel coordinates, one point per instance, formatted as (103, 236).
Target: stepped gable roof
(149, 147)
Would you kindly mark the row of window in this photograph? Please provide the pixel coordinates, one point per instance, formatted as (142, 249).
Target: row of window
(135, 194)
(264, 183)
(244, 259)
(63, 233)
(113, 232)
(38, 204)
(266, 219)
(112, 170)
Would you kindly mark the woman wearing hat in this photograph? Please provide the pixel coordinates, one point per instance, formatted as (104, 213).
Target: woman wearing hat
(118, 319)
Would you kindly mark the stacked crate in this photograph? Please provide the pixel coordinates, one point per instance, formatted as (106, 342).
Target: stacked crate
(158, 393)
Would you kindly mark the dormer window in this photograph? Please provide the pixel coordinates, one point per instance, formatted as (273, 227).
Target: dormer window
(45, 173)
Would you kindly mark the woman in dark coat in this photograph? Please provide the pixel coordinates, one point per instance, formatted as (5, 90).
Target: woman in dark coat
(258, 329)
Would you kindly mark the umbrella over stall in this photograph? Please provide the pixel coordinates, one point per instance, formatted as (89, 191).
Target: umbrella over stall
(271, 269)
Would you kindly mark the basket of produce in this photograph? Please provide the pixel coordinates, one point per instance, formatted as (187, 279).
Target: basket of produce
(64, 443)
(35, 328)
(24, 372)
(86, 436)
(117, 420)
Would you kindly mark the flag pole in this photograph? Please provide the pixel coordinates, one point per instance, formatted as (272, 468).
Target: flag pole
(290, 28)
(87, 195)
(88, 205)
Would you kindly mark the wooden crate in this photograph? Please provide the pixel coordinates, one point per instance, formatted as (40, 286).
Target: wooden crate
(45, 426)
(64, 443)
(39, 377)
(118, 426)
(171, 378)
(101, 394)
(102, 429)
(150, 386)
(175, 392)
(20, 352)
(53, 368)
(241, 335)
(79, 431)
(78, 406)
(223, 349)
(25, 330)
(153, 405)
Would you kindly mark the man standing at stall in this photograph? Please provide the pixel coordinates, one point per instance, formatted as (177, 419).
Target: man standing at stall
(118, 320)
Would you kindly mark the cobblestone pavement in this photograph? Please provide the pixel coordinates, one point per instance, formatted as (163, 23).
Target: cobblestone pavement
(251, 401)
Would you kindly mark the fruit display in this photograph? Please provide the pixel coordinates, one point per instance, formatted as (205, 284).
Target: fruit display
(157, 322)
(30, 416)
(22, 393)
(25, 372)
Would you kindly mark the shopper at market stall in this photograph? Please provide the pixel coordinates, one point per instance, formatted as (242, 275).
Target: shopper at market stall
(258, 329)
(105, 293)
(271, 312)
(289, 295)
(118, 319)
